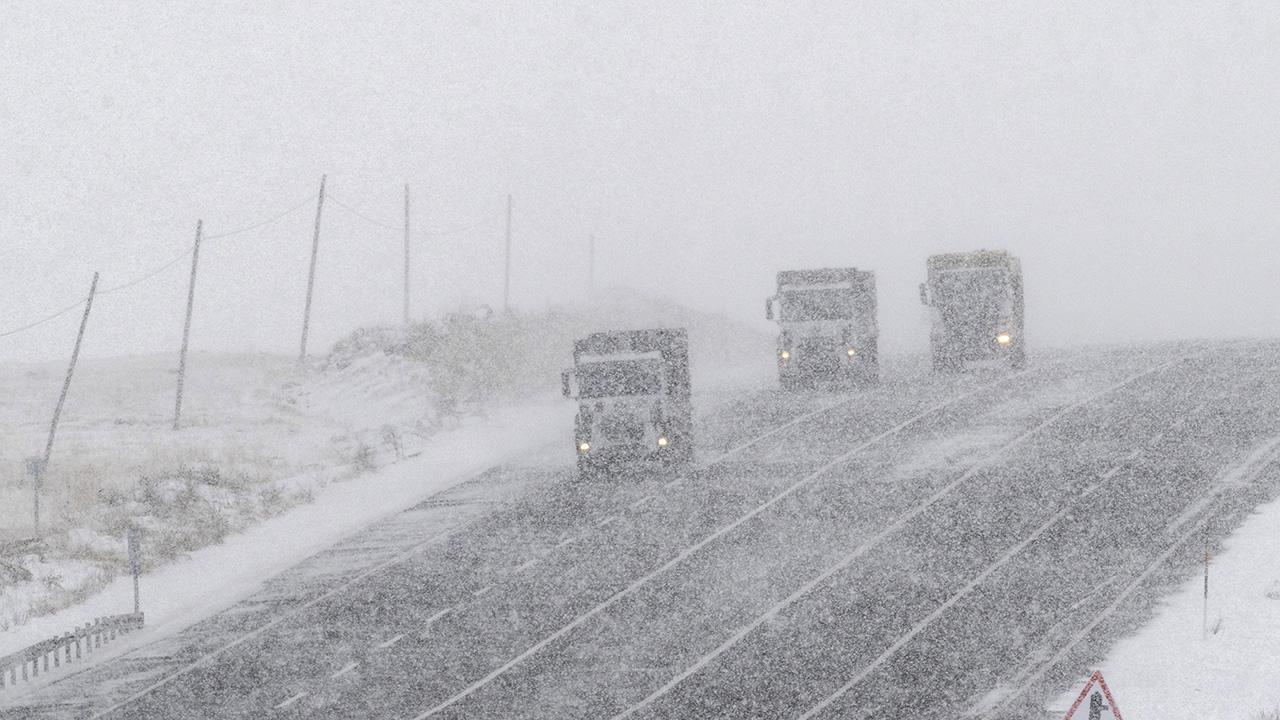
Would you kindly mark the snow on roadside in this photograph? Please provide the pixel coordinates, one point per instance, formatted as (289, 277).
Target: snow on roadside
(177, 594)
(1172, 669)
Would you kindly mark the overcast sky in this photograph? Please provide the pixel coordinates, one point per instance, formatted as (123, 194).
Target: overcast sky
(1126, 151)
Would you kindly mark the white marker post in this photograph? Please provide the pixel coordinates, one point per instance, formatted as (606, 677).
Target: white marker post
(134, 538)
(35, 468)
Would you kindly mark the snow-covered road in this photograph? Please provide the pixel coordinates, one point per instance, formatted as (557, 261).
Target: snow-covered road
(933, 547)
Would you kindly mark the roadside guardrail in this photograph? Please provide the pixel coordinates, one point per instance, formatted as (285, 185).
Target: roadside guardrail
(28, 663)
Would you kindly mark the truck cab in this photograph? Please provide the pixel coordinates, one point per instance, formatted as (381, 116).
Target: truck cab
(977, 308)
(633, 395)
(827, 326)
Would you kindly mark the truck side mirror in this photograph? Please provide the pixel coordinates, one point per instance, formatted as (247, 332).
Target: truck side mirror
(565, 388)
(768, 309)
(924, 294)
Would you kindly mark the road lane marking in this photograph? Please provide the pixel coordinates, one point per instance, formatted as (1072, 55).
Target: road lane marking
(928, 620)
(345, 669)
(684, 554)
(482, 590)
(1258, 460)
(675, 482)
(1108, 474)
(528, 564)
(875, 540)
(392, 641)
(606, 521)
(291, 701)
(564, 542)
(641, 501)
(440, 614)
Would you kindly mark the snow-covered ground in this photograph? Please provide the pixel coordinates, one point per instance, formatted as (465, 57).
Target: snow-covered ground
(1214, 661)
(215, 576)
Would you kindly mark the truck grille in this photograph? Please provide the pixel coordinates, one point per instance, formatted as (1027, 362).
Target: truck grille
(622, 429)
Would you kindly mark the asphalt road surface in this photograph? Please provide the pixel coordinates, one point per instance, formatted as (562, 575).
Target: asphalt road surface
(934, 547)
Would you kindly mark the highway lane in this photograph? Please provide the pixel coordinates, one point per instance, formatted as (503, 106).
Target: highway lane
(505, 585)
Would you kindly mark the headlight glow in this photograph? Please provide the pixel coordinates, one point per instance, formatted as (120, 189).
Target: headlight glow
(850, 352)
(1004, 338)
(662, 442)
(785, 354)
(584, 447)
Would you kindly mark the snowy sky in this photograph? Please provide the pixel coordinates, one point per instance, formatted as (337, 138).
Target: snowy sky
(1126, 151)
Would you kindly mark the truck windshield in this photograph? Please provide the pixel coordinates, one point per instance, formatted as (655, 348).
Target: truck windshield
(969, 288)
(616, 378)
(826, 304)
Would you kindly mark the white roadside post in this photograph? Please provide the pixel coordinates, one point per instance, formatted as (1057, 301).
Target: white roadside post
(35, 469)
(134, 538)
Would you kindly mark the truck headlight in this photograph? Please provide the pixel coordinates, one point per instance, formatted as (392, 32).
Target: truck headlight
(785, 354)
(662, 441)
(851, 352)
(1004, 338)
(584, 447)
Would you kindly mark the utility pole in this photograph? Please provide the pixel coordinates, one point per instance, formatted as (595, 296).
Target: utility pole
(406, 254)
(186, 327)
(311, 276)
(62, 398)
(591, 265)
(506, 282)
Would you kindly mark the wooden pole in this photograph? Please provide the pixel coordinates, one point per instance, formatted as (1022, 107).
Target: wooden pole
(311, 276)
(506, 281)
(62, 398)
(186, 326)
(406, 254)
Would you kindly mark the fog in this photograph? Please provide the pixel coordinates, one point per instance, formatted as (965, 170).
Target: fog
(1127, 152)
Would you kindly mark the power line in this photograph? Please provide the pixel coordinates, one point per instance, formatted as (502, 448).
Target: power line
(362, 216)
(400, 228)
(185, 254)
(152, 273)
(305, 201)
(44, 320)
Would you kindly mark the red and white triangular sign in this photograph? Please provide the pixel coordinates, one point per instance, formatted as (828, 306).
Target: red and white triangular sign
(1094, 702)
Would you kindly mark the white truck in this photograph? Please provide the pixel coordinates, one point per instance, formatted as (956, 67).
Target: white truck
(977, 308)
(827, 326)
(633, 395)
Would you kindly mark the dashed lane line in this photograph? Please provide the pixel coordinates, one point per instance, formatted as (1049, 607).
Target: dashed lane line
(528, 564)
(345, 669)
(439, 615)
(641, 501)
(388, 643)
(607, 521)
(482, 591)
(290, 701)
